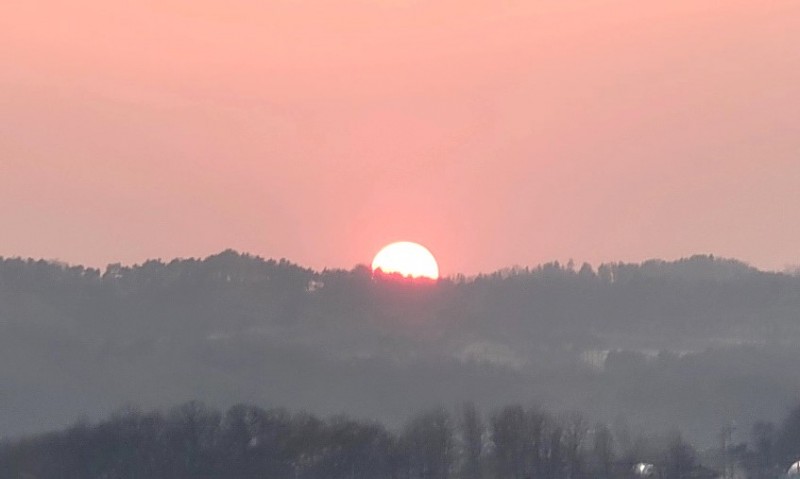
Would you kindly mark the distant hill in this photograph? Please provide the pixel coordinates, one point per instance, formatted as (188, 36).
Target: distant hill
(694, 342)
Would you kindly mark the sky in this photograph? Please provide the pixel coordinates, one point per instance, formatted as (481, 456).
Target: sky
(494, 132)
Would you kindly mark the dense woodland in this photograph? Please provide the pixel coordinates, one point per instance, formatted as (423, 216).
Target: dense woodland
(694, 344)
(194, 441)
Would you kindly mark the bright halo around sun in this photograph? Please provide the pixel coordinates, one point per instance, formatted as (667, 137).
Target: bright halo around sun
(407, 259)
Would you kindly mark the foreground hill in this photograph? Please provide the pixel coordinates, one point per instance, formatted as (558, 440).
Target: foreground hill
(694, 343)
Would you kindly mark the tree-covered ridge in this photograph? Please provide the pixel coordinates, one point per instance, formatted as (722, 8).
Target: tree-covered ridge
(701, 295)
(194, 441)
(649, 340)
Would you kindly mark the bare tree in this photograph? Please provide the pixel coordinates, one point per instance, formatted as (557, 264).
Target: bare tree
(471, 428)
(575, 431)
(680, 459)
(603, 456)
(510, 442)
(429, 440)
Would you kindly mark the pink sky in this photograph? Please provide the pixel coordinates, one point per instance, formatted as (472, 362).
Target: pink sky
(496, 133)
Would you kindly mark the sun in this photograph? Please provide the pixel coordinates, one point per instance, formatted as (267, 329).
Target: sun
(407, 259)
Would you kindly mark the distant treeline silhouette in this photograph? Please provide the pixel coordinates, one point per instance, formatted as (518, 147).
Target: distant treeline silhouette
(701, 296)
(194, 441)
(693, 343)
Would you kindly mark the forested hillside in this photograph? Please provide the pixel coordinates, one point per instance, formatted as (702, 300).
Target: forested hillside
(694, 343)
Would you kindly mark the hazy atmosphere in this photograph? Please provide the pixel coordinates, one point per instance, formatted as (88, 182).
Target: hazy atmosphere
(400, 239)
(495, 133)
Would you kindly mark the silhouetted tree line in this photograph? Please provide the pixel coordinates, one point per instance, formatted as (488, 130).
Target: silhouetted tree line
(194, 441)
(701, 295)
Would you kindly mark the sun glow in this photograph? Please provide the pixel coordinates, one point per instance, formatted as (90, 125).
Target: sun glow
(406, 259)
